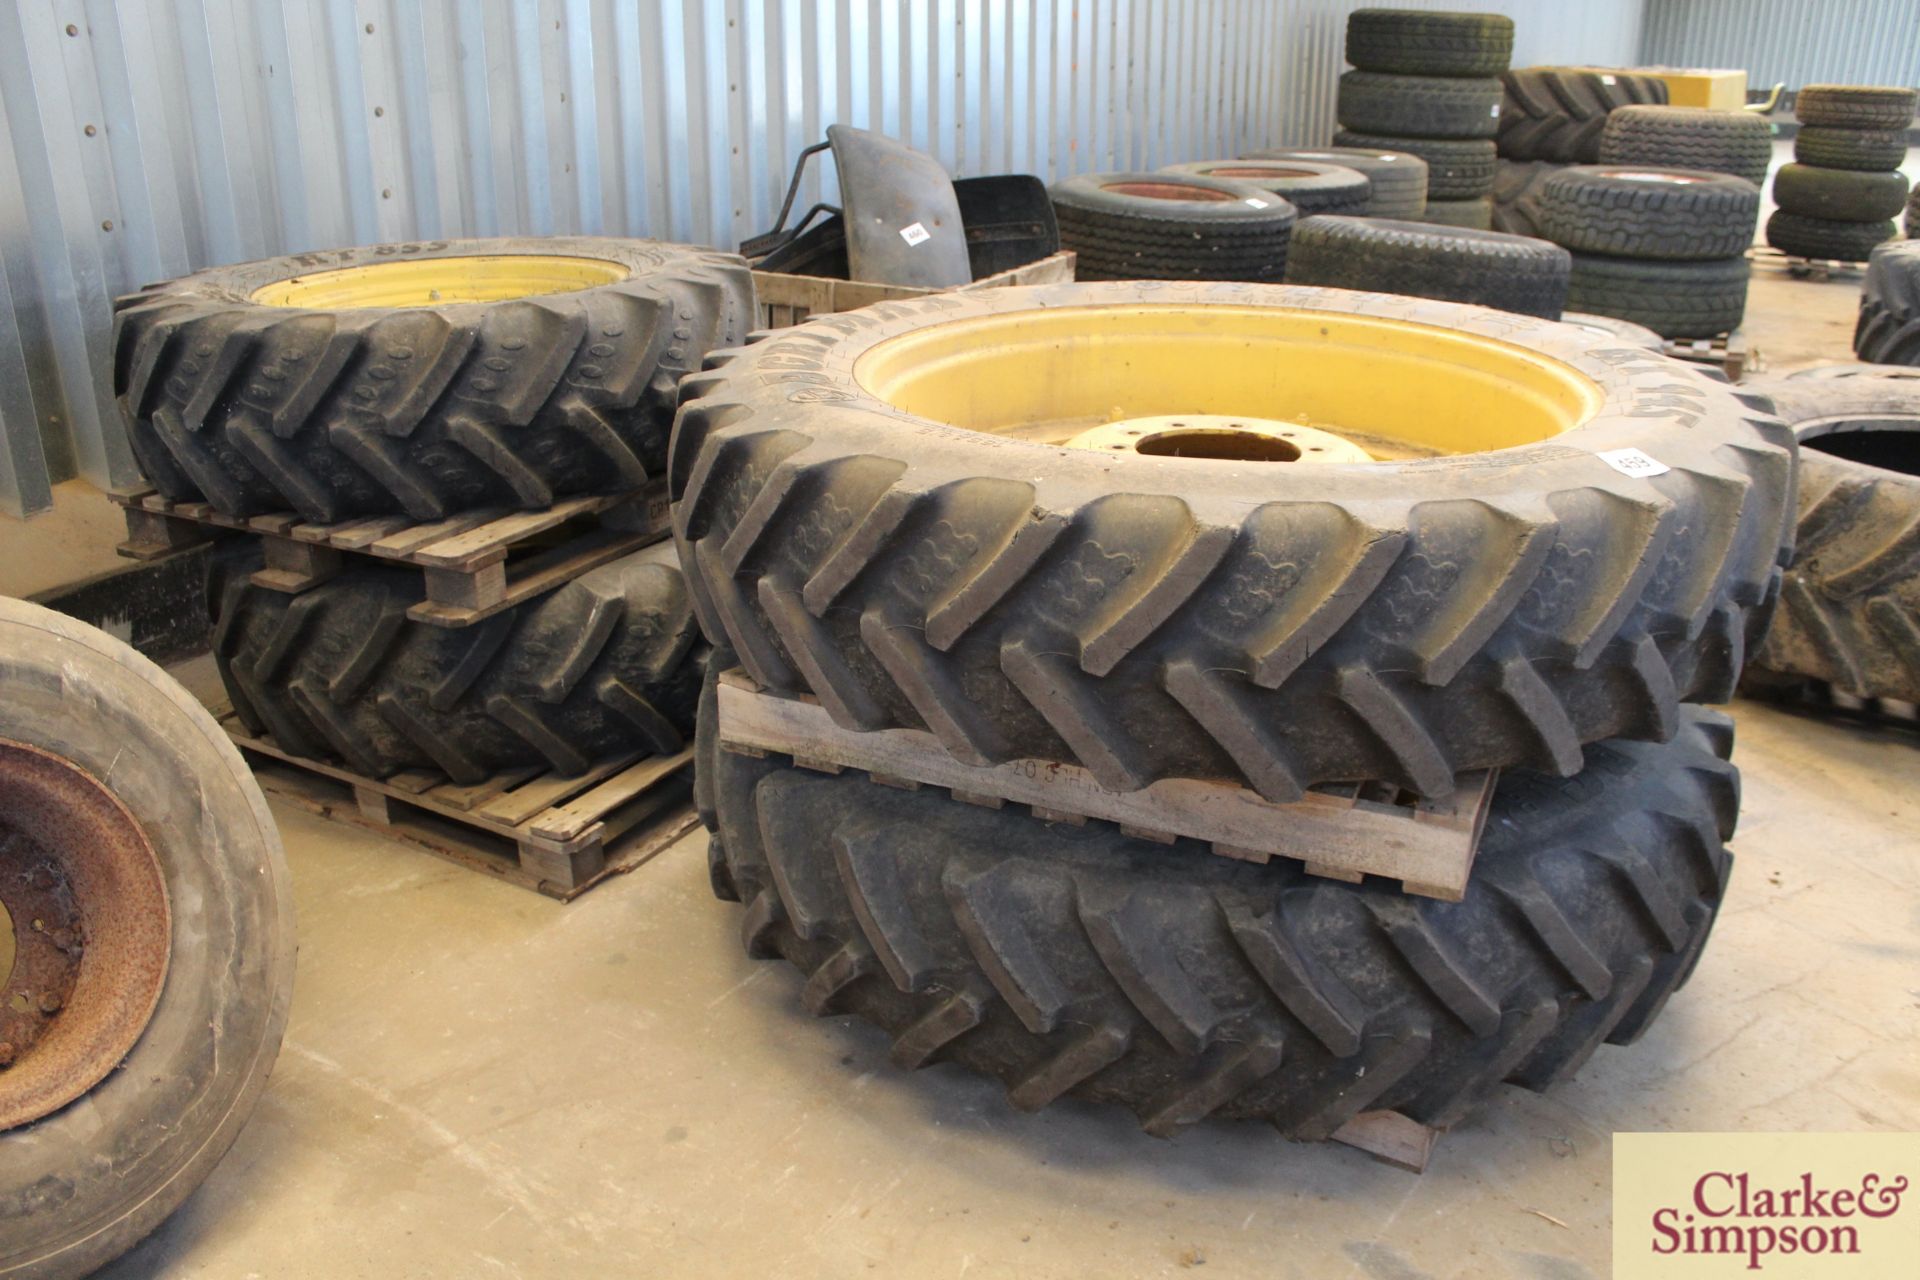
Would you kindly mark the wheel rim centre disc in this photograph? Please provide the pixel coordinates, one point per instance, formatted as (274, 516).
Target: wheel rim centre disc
(88, 930)
(1221, 437)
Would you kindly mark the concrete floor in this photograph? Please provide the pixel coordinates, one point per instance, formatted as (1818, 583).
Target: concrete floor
(479, 1081)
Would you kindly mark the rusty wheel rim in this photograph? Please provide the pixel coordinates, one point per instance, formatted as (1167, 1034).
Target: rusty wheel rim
(1172, 190)
(84, 908)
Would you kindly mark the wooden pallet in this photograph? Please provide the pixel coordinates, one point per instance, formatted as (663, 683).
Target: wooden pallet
(783, 300)
(1728, 352)
(1799, 268)
(1343, 832)
(557, 835)
(475, 564)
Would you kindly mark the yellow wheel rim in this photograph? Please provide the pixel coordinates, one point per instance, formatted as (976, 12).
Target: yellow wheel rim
(427, 282)
(1395, 388)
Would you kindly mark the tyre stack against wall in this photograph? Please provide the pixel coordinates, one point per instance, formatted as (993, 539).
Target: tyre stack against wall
(1664, 248)
(1551, 117)
(935, 549)
(429, 394)
(1840, 196)
(1426, 83)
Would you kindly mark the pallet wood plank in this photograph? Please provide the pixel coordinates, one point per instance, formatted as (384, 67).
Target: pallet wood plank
(473, 795)
(475, 546)
(447, 607)
(404, 542)
(1334, 835)
(1390, 1138)
(567, 821)
(355, 536)
(519, 803)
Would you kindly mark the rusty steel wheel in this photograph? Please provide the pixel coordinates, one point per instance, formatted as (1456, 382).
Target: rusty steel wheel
(146, 944)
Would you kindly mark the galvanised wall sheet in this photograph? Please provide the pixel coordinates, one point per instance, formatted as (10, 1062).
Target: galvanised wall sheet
(140, 139)
(1797, 42)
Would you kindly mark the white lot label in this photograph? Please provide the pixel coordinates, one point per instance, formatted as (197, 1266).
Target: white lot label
(1632, 462)
(915, 234)
(1256, 202)
(1495, 113)
(1607, 80)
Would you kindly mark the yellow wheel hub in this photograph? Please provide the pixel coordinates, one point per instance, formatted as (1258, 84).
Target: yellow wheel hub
(1227, 437)
(427, 282)
(1392, 388)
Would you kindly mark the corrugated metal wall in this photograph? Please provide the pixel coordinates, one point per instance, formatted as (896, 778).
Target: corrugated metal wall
(146, 138)
(1800, 43)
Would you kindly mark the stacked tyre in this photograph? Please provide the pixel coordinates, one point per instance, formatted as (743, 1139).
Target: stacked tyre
(436, 383)
(1735, 142)
(1396, 180)
(1310, 186)
(1172, 226)
(1663, 248)
(1840, 196)
(1426, 83)
(1452, 264)
(1551, 117)
(917, 552)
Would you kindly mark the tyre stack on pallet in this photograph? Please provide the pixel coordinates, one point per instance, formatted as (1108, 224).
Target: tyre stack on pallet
(1551, 117)
(450, 597)
(997, 671)
(1840, 196)
(1664, 248)
(1426, 84)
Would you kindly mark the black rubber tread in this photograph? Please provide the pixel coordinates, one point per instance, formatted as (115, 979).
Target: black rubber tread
(1876, 150)
(607, 664)
(1559, 113)
(83, 1184)
(1911, 220)
(1457, 169)
(1630, 212)
(1638, 334)
(1182, 985)
(426, 411)
(1735, 142)
(1310, 186)
(1855, 106)
(1849, 614)
(1804, 237)
(1418, 106)
(1119, 236)
(1156, 617)
(1839, 195)
(1516, 195)
(1414, 43)
(1674, 299)
(1397, 180)
(1888, 330)
(1424, 260)
(1468, 215)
